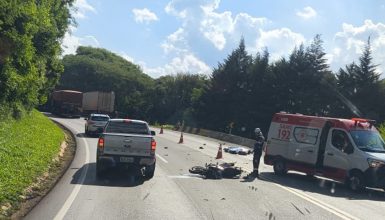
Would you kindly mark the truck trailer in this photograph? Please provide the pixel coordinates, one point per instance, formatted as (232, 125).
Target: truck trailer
(67, 103)
(98, 102)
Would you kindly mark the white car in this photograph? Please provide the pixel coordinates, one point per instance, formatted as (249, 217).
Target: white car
(94, 122)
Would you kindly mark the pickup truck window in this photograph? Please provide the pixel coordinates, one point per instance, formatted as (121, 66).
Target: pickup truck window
(99, 118)
(127, 127)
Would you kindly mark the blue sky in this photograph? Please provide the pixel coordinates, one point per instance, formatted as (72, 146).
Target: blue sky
(171, 36)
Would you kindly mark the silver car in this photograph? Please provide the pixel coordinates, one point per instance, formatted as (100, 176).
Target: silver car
(95, 122)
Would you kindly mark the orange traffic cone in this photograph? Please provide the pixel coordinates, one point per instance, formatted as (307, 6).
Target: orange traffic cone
(219, 154)
(161, 130)
(181, 138)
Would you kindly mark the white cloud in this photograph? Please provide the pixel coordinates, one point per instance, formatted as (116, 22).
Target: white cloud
(187, 63)
(280, 42)
(126, 56)
(350, 42)
(307, 13)
(144, 15)
(71, 42)
(223, 30)
(215, 27)
(175, 42)
(81, 7)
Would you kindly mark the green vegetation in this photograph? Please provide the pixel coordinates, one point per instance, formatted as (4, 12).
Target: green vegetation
(381, 129)
(243, 91)
(27, 149)
(247, 90)
(93, 69)
(30, 66)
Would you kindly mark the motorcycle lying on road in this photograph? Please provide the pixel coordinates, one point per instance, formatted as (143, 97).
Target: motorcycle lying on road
(217, 171)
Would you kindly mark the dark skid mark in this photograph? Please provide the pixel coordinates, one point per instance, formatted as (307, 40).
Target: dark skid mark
(145, 197)
(307, 210)
(297, 209)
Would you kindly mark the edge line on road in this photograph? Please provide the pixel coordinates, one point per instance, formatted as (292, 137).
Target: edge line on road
(161, 158)
(335, 211)
(67, 204)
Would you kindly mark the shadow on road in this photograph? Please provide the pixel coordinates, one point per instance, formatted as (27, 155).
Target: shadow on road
(113, 178)
(51, 115)
(83, 135)
(322, 186)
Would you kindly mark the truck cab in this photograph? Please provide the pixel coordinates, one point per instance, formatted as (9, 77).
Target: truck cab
(345, 150)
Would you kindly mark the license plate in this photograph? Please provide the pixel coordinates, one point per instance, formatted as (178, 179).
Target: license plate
(126, 159)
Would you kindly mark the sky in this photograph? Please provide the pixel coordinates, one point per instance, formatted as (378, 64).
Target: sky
(192, 36)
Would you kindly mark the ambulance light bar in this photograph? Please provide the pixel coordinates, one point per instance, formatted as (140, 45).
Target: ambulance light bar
(362, 120)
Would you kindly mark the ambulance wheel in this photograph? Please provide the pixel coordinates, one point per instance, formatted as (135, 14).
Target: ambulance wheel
(279, 167)
(356, 181)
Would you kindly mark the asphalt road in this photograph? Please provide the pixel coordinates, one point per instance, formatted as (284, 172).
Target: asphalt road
(173, 193)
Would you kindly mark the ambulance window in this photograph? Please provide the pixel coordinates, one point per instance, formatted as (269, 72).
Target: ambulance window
(306, 135)
(340, 140)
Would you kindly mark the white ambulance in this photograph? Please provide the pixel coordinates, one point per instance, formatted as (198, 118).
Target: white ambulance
(345, 150)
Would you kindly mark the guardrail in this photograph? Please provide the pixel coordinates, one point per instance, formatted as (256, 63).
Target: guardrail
(220, 136)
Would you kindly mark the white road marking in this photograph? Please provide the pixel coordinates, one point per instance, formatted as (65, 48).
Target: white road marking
(323, 205)
(67, 204)
(182, 177)
(160, 157)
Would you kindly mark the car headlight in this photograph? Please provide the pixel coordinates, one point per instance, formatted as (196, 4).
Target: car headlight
(375, 163)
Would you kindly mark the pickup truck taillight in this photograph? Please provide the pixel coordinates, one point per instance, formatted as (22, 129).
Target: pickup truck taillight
(101, 144)
(153, 145)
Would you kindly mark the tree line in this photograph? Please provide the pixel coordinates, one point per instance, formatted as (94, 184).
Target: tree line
(30, 63)
(243, 91)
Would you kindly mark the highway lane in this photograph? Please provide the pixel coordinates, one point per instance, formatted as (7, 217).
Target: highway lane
(174, 194)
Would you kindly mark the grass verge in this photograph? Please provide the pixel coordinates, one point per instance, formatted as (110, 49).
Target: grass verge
(29, 149)
(381, 128)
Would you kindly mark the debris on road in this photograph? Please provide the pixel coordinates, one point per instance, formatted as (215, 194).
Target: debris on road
(165, 147)
(201, 147)
(237, 150)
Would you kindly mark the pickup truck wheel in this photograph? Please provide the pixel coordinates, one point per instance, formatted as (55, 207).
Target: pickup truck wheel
(356, 182)
(149, 171)
(279, 167)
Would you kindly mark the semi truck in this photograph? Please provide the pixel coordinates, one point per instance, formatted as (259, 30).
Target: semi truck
(98, 102)
(67, 103)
